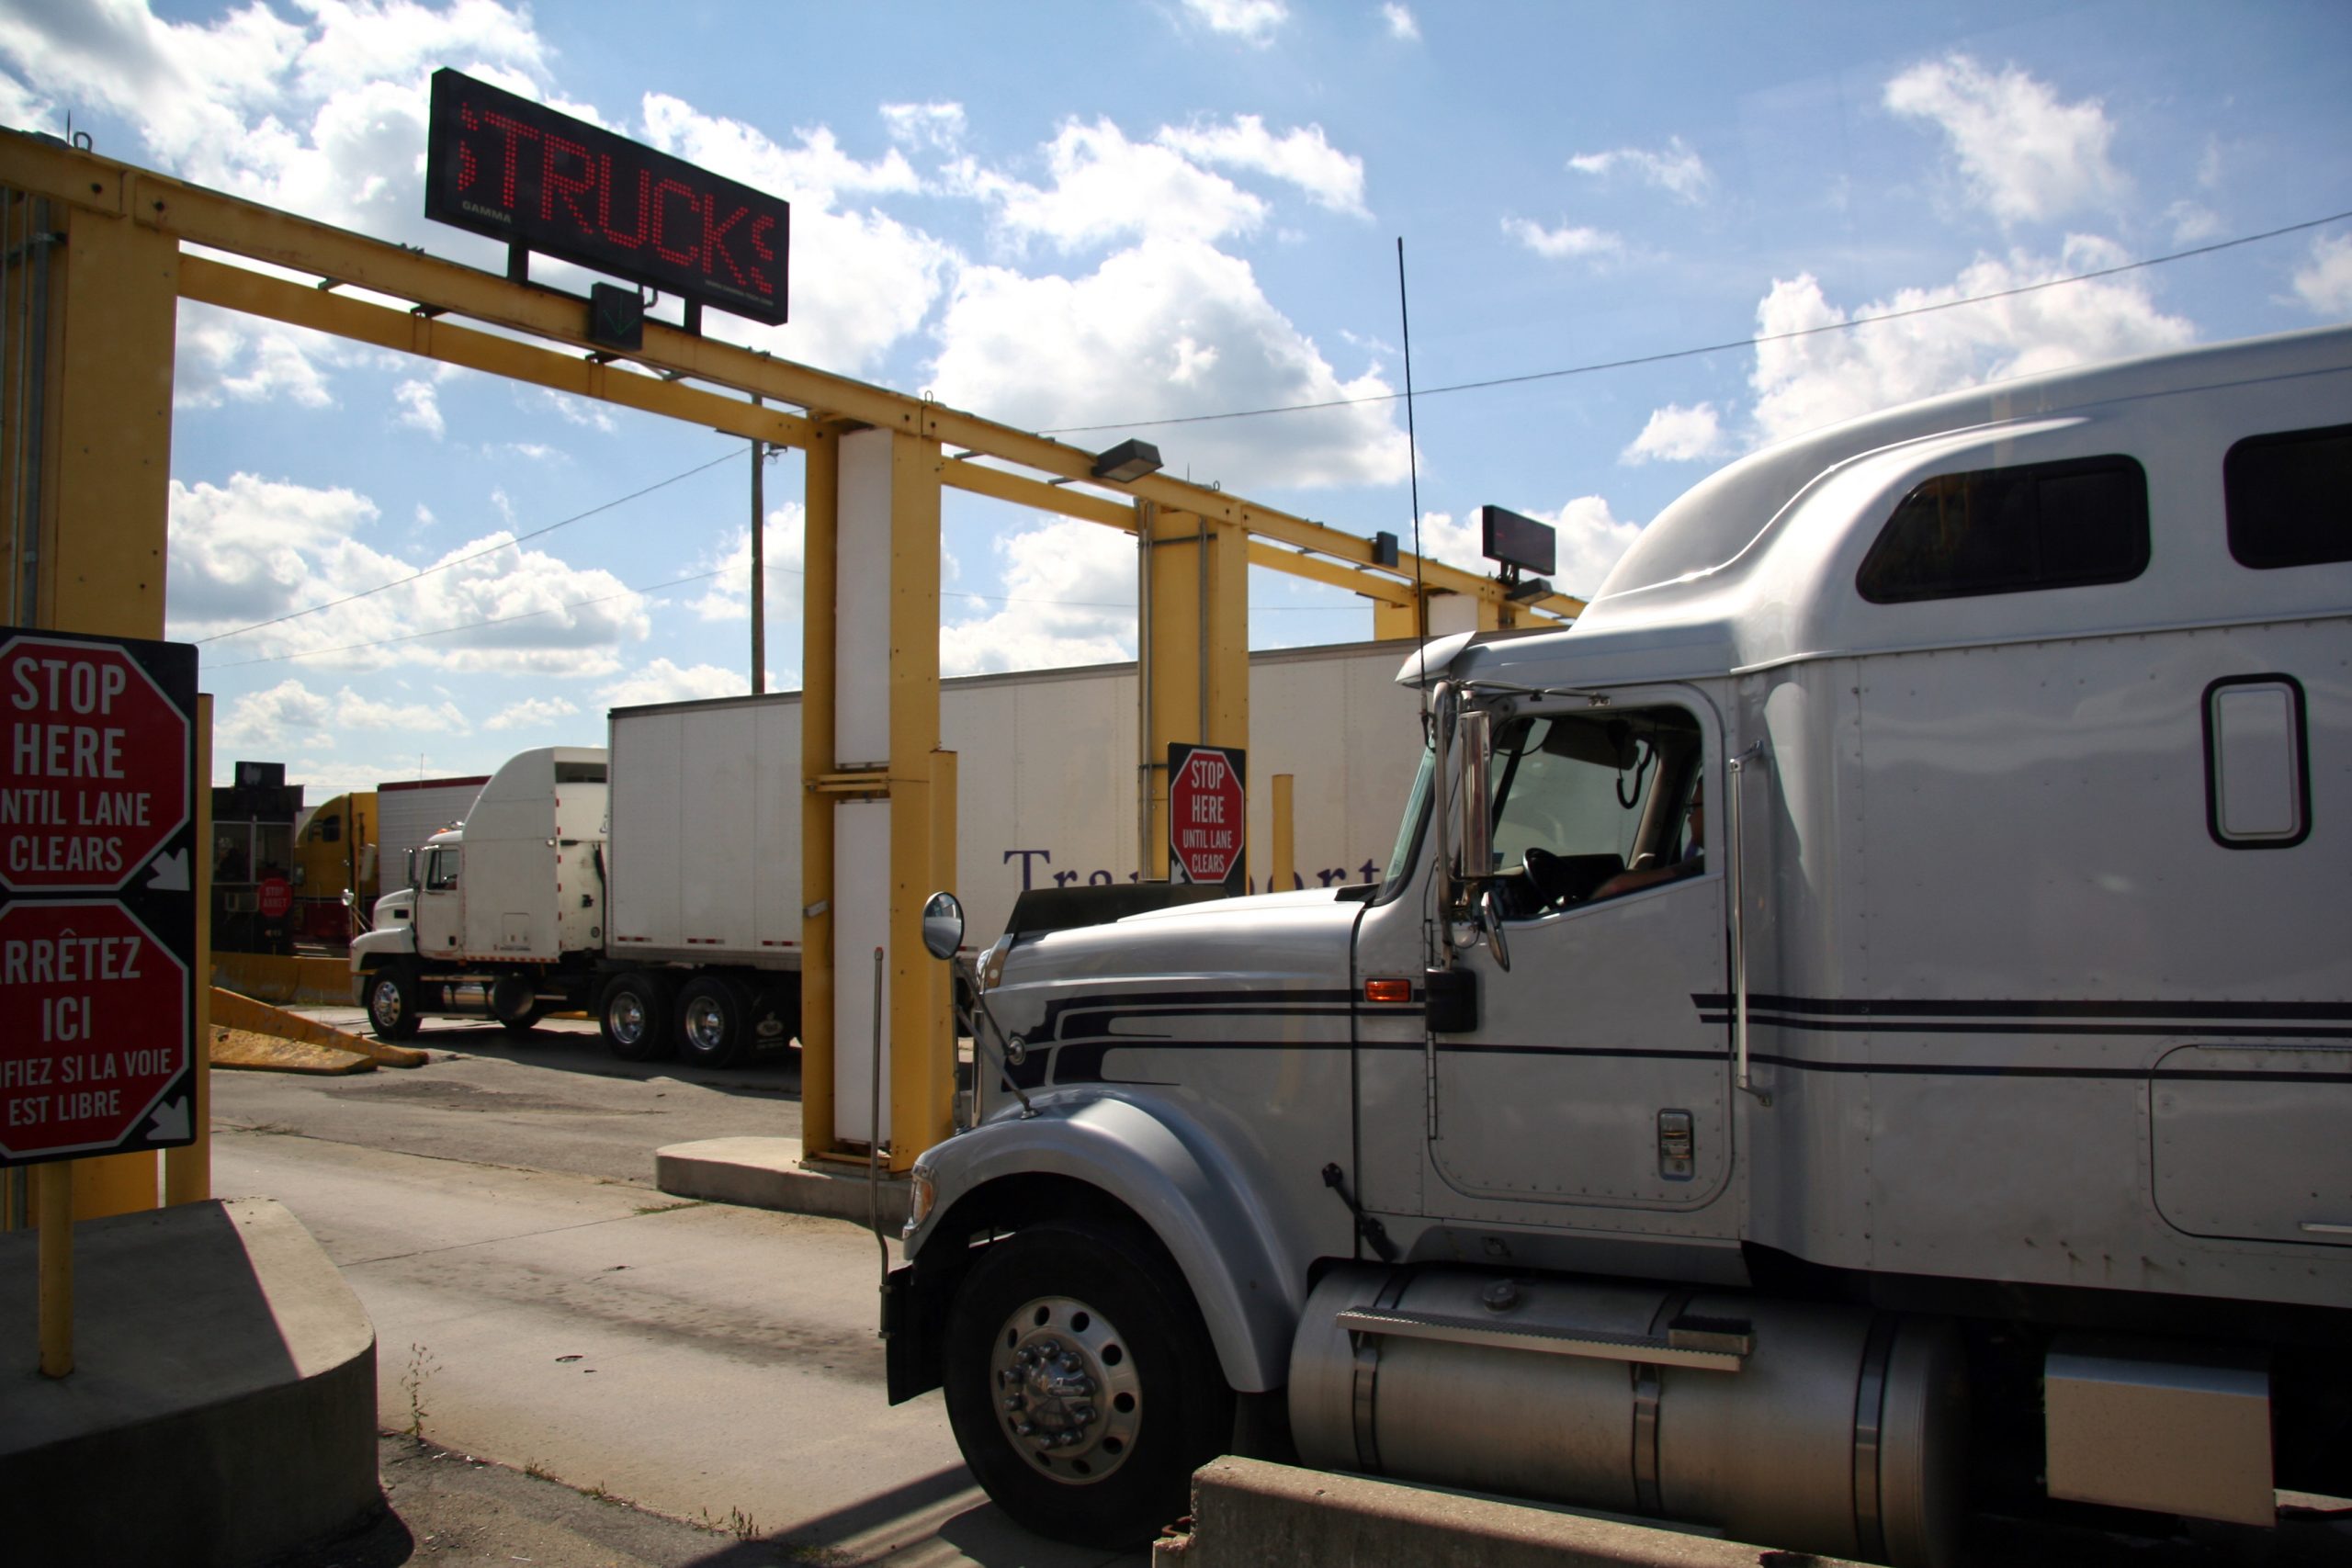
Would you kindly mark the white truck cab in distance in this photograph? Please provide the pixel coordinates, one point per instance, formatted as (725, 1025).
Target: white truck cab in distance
(1856, 1028)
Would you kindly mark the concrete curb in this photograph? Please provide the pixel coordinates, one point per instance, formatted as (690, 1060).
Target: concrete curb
(767, 1173)
(231, 1010)
(282, 978)
(1249, 1514)
(222, 1405)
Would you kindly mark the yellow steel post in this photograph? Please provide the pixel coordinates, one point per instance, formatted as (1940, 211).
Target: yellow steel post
(187, 1171)
(54, 1184)
(820, 536)
(921, 1082)
(1282, 864)
(106, 492)
(1196, 652)
(941, 1040)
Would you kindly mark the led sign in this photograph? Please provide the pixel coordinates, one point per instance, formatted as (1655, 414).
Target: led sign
(504, 166)
(1517, 541)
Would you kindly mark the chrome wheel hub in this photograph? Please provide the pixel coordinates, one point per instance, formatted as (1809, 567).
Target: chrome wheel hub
(706, 1024)
(626, 1019)
(1066, 1389)
(387, 1002)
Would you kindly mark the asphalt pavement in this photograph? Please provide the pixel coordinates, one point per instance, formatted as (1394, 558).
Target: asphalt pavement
(541, 1306)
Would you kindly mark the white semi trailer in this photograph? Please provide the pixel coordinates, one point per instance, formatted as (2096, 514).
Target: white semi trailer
(657, 880)
(1856, 1028)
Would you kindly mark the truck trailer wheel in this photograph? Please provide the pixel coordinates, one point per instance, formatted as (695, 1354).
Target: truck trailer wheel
(714, 1022)
(1082, 1384)
(391, 1003)
(634, 1017)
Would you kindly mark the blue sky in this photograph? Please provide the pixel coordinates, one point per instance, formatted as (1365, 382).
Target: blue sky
(1113, 213)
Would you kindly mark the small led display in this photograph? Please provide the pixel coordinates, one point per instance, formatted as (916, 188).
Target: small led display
(1517, 541)
(504, 166)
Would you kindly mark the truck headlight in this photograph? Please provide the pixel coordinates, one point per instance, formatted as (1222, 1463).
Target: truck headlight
(922, 1193)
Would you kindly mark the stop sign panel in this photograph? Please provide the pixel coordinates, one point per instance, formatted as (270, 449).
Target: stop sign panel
(94, 1032)
(94, 775)
(1205, 815)
(98, 900)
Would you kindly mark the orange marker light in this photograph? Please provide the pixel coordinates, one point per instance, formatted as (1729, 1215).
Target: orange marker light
(1388, 990)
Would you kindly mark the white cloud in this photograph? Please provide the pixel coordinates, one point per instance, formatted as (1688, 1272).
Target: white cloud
(1803, 383)
(1172, 328)
(530, 714)
(1400, 22)
(729, 597)
(1072, 591)
(585, 412)
(1302, 156)
(2326, 286)
(1677, 435)
(934, 125)
(2192, 221)
(1252, 21)
(1563, 243)
(1104, 186)
(254, 549)
(291, 715)
(227, 356)
(663, 682)
(1674, 168)
(419, 409)
(2026, 155)
(1589, 538)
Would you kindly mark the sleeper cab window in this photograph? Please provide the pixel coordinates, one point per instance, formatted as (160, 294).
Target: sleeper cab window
(2064, 524)
(2290, 498)
(2257, 772)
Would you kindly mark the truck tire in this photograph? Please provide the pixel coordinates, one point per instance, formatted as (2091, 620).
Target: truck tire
(514, 1003)
(714, 1022)
(391, 1002)
(1082, 1384)
(633, 1014)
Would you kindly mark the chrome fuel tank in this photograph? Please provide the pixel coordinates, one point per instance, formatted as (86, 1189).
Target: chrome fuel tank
(1831, 1429)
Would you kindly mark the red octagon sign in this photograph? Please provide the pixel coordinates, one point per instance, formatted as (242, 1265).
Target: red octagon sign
(93, 1030)
(1204, 807)
(94, 776)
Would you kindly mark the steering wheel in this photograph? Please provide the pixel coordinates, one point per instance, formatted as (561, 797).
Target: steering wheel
(1549, 875)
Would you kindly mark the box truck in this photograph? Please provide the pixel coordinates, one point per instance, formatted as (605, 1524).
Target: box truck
(657, 879)
(1856, 1028)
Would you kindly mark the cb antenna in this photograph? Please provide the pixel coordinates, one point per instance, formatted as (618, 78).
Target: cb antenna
(1413, 468)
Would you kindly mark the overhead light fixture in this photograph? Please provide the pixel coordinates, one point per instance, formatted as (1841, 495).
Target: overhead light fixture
(1529, 588)
(1127, 462)
(1384, 549)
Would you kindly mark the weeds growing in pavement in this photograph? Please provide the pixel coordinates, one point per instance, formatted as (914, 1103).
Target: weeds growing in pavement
(421, 1365)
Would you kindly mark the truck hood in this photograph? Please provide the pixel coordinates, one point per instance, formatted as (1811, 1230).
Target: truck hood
(1280, 961)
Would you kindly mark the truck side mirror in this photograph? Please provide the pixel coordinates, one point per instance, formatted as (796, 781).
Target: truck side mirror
(1477, 795)
(942, 925)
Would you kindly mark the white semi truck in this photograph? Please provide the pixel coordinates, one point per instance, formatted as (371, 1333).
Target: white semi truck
(1856, 1029)
(657, 880)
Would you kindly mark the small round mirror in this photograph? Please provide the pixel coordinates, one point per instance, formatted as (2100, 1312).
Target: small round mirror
(942, 925)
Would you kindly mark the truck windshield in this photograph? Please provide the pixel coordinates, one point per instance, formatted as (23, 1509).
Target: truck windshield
(1408, 832)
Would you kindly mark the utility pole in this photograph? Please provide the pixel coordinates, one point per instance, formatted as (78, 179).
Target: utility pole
(759, 566)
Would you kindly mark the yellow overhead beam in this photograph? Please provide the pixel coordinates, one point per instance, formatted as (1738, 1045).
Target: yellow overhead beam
(1379, 590)
(198, 216)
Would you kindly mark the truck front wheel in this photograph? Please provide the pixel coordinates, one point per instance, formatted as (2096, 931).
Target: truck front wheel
(1082, 1384)
(634, 1017)
(391, 1003)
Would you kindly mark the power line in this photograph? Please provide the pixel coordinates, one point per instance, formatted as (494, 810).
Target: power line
(446, 565)
(1717, 347)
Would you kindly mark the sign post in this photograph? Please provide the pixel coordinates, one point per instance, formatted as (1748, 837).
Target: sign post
(97, 918)
(1206, 814)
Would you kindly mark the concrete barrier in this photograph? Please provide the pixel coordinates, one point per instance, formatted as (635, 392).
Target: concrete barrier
(222, 1405)
(1249, 1514)
(231, 1010)
(282, 978)
(767, 1173)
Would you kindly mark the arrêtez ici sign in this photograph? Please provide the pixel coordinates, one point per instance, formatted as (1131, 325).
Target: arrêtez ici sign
(97, 990)
(518, 171)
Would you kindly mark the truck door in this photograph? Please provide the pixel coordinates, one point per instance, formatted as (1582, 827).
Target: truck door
(1592, 1076)
(440, 915)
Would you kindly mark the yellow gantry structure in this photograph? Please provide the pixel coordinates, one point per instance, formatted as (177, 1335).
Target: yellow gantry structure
(126, 235)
